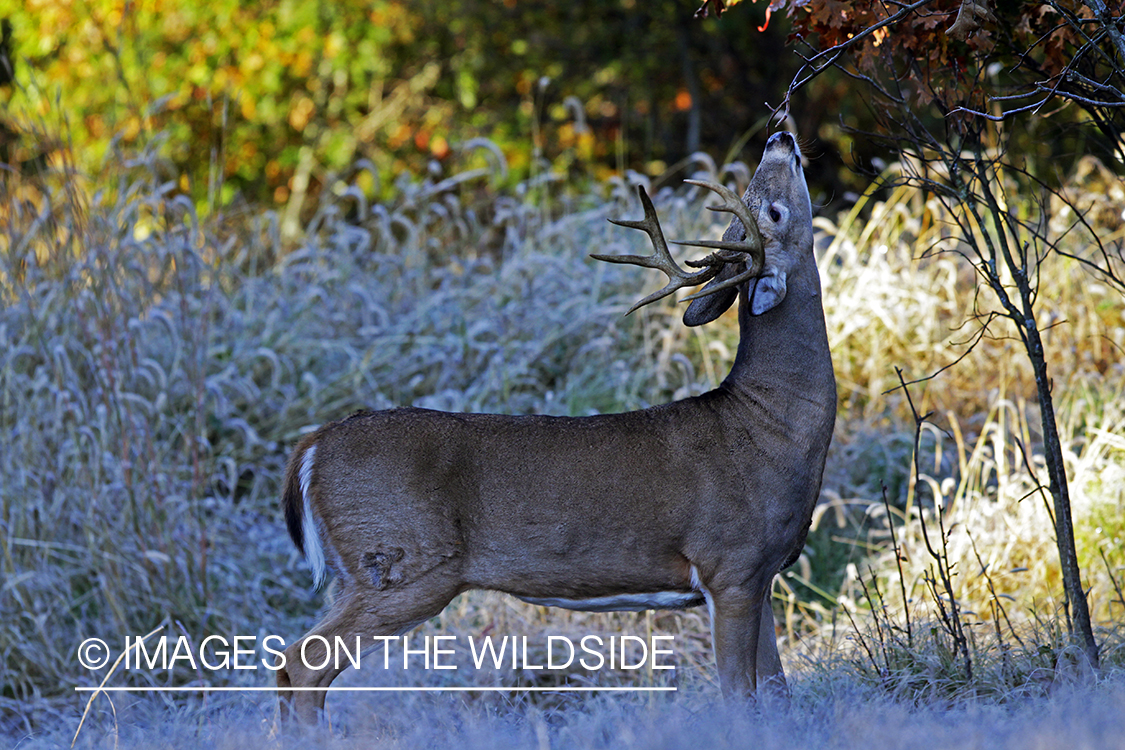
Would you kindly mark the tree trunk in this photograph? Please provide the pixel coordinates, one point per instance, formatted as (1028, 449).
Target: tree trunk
(1079, 610)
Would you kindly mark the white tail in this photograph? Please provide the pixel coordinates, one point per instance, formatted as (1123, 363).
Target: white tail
(700, 500)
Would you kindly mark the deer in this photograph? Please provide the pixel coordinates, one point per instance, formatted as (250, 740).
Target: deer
(701, 500)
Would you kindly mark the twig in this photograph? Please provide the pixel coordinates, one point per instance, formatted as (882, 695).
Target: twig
(1109, 570)
(995, 598)
(109, 674)
(862, 641)
(825, 59)
(952, 618)
(898, 562)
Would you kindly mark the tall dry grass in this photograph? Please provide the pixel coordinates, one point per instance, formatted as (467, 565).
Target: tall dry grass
(974, 499)
(155, 367)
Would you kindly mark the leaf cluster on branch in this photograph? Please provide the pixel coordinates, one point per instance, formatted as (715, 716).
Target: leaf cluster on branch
(990, 58)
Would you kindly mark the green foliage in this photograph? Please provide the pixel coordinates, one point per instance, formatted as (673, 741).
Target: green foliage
(239, 89)
(273, 100)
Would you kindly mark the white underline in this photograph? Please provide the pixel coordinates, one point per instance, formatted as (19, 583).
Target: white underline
(230, 689)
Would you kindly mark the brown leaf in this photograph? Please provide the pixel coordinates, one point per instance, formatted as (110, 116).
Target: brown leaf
(969, 18)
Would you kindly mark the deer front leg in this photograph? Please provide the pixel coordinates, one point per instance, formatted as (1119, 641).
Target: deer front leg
(771, 676)
(737, 631)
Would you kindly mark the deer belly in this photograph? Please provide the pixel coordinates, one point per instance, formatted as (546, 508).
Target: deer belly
(623, 602)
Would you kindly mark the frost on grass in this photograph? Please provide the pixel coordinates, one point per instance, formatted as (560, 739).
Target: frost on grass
(840, 716)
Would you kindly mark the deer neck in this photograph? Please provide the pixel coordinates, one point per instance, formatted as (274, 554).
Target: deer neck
(786, 349)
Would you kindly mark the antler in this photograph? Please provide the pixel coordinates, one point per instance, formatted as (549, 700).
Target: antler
(748, 251)
(661, 259)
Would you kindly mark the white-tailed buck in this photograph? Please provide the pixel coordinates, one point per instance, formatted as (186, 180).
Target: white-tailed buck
(700, 500)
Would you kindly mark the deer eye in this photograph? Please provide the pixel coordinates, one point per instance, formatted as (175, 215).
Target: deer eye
(775, 215)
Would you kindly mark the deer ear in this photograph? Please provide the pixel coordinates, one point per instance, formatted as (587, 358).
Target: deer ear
(706, 309)
(767, 292)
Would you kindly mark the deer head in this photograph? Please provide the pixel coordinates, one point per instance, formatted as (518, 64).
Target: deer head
(770, 232)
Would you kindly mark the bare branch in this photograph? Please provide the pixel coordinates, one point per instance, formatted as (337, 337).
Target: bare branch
(825, 59)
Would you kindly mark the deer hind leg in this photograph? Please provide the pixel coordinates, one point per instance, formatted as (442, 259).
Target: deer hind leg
(364, 612)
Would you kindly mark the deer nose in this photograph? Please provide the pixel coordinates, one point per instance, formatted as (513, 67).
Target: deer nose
(782, 138)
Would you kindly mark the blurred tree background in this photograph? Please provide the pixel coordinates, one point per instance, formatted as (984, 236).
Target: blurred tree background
(262, 101)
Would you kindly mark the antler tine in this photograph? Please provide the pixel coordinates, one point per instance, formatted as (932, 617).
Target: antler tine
(732, 204)
(749, 273)
(661, 259)
(748, 250)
